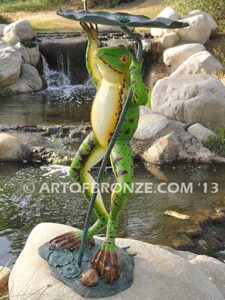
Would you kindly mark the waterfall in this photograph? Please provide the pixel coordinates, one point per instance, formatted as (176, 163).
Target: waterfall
(56, 79)
(59, 83)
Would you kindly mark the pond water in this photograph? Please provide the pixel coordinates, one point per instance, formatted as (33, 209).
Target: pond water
(143, 218)
(69, 106)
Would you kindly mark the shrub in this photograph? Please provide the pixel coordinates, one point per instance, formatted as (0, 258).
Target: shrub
(214, 7)
(217, 144)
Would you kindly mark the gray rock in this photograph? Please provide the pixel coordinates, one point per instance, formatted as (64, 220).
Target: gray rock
(11, 38)
(200, 132)
(213, 24)
(30, 55)
(30, 80)
(22, 28)
(175, 56)
(169, 13)
(150, 125)
(170, 39)
(191, 99)
(10, 64)
(199, 30)
(159, 273)
(200, 62)
(164, 150)
(11, 149)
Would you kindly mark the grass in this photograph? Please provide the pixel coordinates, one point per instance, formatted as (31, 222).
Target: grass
(41, 14)
(217, 144)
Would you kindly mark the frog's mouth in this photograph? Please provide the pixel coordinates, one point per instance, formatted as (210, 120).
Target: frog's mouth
(101, 59)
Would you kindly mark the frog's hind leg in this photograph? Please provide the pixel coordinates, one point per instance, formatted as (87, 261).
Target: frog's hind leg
(107, 260)
(88, 155)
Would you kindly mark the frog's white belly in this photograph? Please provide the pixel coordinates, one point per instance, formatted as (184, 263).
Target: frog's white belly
(105, 111)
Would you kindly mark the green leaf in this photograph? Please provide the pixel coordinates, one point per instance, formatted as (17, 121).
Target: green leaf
(119, 19)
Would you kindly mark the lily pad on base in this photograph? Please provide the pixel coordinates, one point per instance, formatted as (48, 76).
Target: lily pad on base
(119, 19)
(70, 274)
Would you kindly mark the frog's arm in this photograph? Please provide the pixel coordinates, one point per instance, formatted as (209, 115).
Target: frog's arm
(92, 36)
(140, 95)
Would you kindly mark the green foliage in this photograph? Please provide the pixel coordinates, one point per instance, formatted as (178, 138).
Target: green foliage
(4, 20)
(28, 5)
(4, 91)
(215, 7)
(217, 144)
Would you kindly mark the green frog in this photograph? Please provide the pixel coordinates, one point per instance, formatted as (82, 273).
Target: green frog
(114, 71)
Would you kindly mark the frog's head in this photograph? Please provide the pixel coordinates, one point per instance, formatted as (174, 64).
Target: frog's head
(114, 62)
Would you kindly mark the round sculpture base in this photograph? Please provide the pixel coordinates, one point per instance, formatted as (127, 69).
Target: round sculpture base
(63, 265)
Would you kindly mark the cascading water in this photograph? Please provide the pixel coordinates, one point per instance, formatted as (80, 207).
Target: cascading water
(59, 82)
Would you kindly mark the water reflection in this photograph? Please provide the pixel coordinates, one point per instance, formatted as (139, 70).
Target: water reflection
(143, 218)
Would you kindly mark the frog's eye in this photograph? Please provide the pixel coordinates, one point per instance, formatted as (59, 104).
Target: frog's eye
(124, 59)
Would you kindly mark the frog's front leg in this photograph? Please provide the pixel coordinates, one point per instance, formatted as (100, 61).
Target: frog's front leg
(140, 94)
(92, 37)
(107, 260)
(88, 155)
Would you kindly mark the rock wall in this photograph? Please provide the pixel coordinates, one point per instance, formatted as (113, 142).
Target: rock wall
(18, 64)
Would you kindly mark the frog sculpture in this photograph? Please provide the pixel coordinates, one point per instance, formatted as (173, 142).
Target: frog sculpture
(115, 71)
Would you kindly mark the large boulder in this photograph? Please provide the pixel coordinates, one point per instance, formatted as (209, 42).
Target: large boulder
(160, 273)
(30, 55)
(214, 26)
(11, 38)
(164, 150)
(201, 132)
(170, 39)
(10, 64)
(169, 13)
(22, 29)
(175, 56)
(199, 30)
(11, 149)
(200, 62)
(191, 99)
(30, 80)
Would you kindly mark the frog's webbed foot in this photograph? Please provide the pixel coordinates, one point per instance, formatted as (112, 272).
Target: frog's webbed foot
(108, 263)
(90, 29)
(70, 240)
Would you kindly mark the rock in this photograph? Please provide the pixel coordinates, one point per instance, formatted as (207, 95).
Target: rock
(144, 110)
(164, 150)
(30, 80)
(168, 13)
(11, 38)
(153, 268)
(34, 55)
(22, 29)
(213, 24)
(200, 132)
(4, 278)
(157, 71)
(175, 56)
(11, 149)
(30, 55)
(198, 98)
(150, 125)
(2, 26)
(10, 64)
(199, 30)
(170, 39)
(200, 62)
(125, 42)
